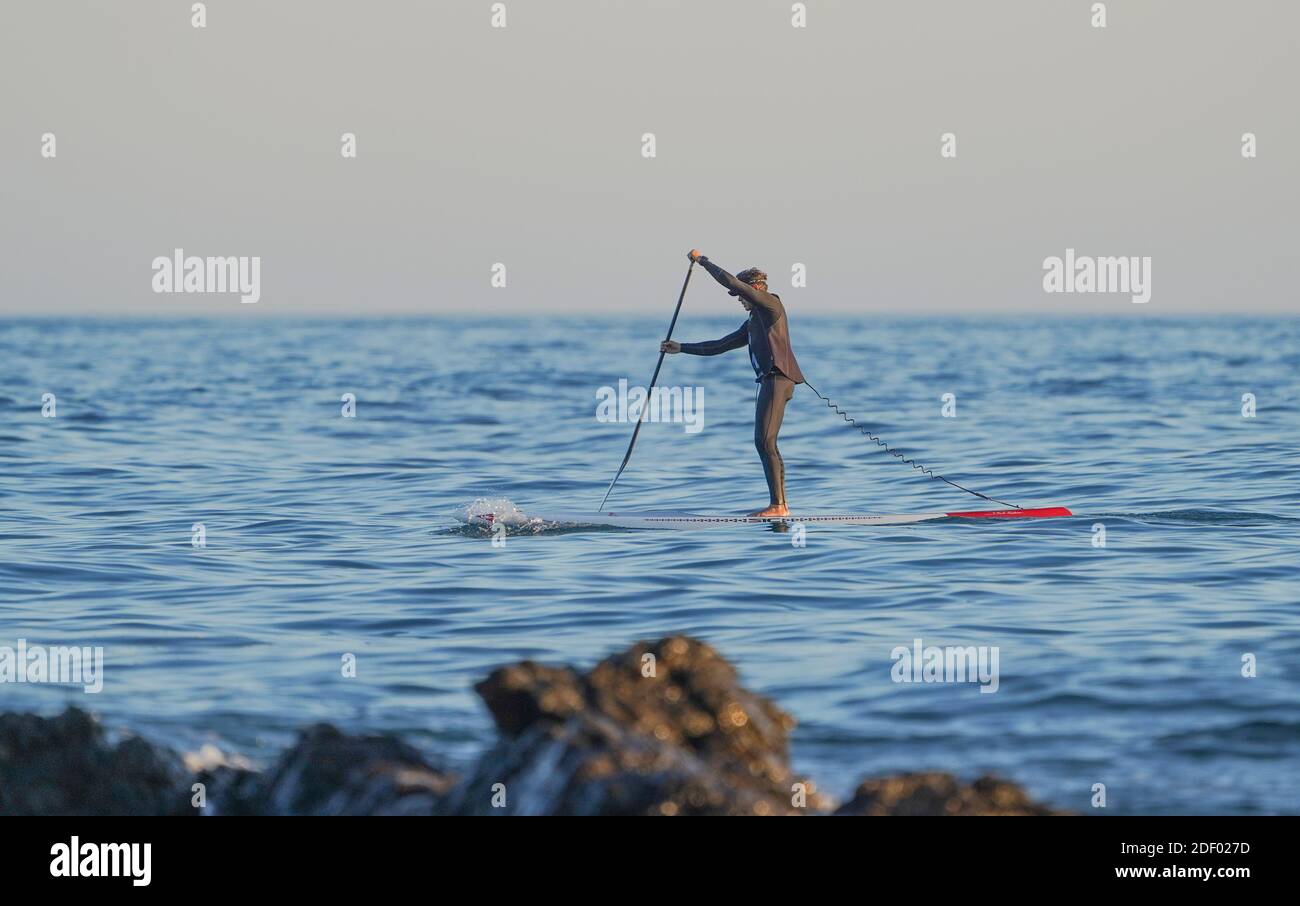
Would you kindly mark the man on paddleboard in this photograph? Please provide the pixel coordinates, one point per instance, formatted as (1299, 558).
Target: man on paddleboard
(767, 334)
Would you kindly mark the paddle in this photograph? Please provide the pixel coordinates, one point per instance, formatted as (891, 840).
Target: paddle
(646, 405)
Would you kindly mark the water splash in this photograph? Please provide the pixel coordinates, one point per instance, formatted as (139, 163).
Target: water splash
(489, 511)
(481, 515)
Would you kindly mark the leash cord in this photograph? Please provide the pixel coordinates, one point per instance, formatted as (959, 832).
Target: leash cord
(928, 473)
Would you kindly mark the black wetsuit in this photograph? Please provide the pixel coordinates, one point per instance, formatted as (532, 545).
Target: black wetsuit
(767, 334)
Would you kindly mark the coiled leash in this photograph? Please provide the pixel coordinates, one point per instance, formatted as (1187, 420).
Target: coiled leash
(928, 473)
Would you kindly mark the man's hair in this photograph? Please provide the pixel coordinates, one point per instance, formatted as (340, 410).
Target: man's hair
(752, 276)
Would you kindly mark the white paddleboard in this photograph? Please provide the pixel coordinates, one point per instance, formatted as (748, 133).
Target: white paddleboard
(669, 519)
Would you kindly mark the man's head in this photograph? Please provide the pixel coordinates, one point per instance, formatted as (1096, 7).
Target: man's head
(756, 278)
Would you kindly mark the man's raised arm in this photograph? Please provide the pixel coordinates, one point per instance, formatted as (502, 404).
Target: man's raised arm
(739, 287)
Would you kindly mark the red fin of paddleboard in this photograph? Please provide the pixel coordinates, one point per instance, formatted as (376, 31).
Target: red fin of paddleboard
(1042, 513)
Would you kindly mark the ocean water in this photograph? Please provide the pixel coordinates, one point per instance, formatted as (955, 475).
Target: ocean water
(327, 536)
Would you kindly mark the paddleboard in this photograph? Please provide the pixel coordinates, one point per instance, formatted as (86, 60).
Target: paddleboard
(668, 519)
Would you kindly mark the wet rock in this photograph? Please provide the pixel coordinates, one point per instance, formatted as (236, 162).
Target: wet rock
(65, 765)
(663, 728)
(941, 794)
(328, 772)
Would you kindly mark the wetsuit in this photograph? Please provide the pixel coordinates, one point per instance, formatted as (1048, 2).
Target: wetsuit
(767, 334)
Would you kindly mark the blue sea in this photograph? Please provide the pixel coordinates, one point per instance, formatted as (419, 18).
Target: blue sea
(328, 536)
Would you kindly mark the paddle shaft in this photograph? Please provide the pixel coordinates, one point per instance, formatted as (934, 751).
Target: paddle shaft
(645, 406)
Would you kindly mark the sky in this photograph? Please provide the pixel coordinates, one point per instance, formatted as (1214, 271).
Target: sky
(523, 146)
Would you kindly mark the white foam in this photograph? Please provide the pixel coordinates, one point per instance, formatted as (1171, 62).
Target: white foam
(487, 511)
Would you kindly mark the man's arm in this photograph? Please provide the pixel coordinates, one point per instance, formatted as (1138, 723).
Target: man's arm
(731, 341)
(765, 301)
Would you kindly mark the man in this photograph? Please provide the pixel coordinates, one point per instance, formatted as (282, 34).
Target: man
(767, 335)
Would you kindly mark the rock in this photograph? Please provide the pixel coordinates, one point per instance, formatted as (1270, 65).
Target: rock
(941, 794)
(663, 728)
(328, 772)
(64, 765)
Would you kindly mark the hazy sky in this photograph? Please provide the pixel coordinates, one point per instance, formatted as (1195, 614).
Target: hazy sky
(522, 145)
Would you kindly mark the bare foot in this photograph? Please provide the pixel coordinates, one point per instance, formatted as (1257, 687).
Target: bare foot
(779, 509)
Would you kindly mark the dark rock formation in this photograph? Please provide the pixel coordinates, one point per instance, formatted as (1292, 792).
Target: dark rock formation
(660, 729)
(663, 728)
(940, 794)
(330, 773)
(65, 766)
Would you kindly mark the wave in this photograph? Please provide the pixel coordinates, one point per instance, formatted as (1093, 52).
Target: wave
(1200, 517)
